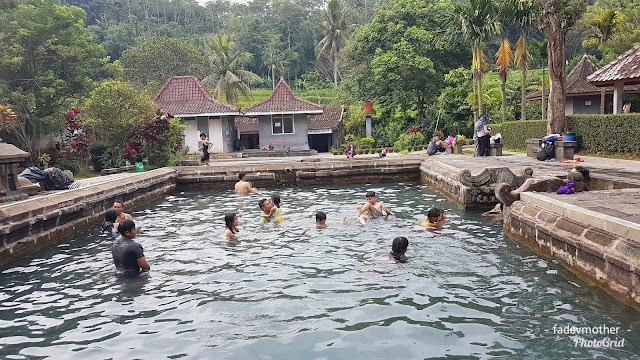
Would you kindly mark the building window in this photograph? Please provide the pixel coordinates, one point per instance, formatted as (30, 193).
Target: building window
(282, 124)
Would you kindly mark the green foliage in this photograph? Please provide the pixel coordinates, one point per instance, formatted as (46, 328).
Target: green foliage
(515, 133)
(356, 122)
(46, 59)
(367, 143)
(115, 110)
(606, 134)
(413, 139)
(350, 137)
(400, 145)
(66, 164)
(154, 60)
(169, 143)
(313, 80)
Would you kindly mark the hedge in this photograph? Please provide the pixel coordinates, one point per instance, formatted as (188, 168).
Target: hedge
(515, 133)
(606, 133)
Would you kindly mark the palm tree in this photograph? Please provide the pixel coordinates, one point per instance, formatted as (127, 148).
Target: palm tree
(504, 58)
(523, 14)
(475, 24)
(540, 48)
(604, 24)
(335, 23)
(227, 75)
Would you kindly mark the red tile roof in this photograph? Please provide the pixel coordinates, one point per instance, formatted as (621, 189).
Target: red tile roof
(624, 67)
(282, 100)
(578, 85)
(186, 95)
(329, 119)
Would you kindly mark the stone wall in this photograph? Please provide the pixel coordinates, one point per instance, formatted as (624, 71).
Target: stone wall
(28, 225)
(607, 257)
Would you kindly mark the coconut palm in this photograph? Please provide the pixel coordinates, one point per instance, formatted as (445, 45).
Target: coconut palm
(335, 23)
(475, 23)
(604, 24)
(540, 49)
(522, 60)
(523, 13)
(504, 58)
(227, 74)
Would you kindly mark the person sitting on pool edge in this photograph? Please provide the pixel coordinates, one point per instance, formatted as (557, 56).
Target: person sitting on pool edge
(127, 254)
(398, 249)
(436, 145)
(372, 208)
(321, 219)
(118, 206)
(231, 223)
(109, 226)
(435, 216)
(243, 186)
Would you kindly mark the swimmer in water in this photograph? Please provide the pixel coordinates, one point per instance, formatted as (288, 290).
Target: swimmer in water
(231, 223)
(243, 186)
(398, 249)
(110, 226)
(275, 202)
(321, 219)
(269, 211)
(434, 218)
(372, 208)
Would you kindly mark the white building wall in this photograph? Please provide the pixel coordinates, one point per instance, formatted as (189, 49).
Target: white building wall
(215, 135)
(191, 135)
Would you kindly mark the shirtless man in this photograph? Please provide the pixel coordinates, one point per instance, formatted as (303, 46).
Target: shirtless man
(243, 186)
(118, 206)
(372, 208)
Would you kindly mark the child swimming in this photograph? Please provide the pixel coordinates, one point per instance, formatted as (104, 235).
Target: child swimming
(270, 211)
(372, 208)
(275, 202)
(231, 223)
(434, 218)
(321, 219)
(398, 249)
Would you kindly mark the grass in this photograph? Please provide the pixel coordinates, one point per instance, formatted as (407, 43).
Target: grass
(322, 97)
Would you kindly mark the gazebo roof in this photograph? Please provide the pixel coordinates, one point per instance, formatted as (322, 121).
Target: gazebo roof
(577, 84)
(283, 101)
(329, 119)
(185, 95)
(625, 67)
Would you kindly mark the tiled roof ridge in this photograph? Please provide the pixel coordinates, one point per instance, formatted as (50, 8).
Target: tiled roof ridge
(282, 91)
(199, 87)
(614, 66)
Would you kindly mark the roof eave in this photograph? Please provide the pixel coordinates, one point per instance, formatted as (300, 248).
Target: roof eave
(207, 114)
(258, 113)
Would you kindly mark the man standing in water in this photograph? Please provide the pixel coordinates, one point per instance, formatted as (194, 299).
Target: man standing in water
(243, 186)
(128, 255)
(118, 206)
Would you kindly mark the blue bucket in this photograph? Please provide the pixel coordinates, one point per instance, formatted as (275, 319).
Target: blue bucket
(568, 136)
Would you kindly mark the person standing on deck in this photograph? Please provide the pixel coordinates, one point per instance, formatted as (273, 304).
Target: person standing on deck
(206, 145)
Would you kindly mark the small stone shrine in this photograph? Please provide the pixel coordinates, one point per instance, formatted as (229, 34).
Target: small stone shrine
(10, 159)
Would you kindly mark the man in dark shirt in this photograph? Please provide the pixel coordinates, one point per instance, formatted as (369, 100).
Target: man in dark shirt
(127, 254)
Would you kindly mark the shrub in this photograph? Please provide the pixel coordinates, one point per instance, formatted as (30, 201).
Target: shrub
(413, 139)
(400, 145)
(367, 143)
(606, 133)
(66, 164)
(515, 133)
(349, 137)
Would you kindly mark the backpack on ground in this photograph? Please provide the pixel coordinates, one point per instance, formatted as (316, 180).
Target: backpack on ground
(547, 151)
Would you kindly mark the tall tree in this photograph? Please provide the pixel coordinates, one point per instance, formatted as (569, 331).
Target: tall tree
(475, 23)
(540, 49)
(523, 14)
(504, 58)
(227, 73)
(46, 60)
(335, 24)
(523, 60)
(557, 17)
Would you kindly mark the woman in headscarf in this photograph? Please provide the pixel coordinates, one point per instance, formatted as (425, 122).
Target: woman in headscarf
(350, 151)
(483, 135)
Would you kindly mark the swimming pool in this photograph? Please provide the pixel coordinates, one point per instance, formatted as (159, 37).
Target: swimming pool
(289, 290)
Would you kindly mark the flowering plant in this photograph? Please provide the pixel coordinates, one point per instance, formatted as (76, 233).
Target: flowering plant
(414, 129)
(133, 151)
(78, 134)
(7, 117)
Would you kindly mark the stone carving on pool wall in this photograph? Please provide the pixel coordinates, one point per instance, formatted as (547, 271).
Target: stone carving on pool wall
(493, 175)
(506, 194)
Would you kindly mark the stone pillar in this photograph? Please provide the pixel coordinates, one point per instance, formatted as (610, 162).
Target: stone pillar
(618, 90)
(368, 125)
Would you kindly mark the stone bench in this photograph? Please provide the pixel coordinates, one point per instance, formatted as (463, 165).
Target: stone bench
(129, 168)
(533, 146)
(565, 149)
(495, 149)
(457, 149)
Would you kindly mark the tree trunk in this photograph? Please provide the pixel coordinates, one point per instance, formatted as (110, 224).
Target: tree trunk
(544, 96)
(335, 69)
(557, 80)
(503, 90)
(602, 100)
(523, 95)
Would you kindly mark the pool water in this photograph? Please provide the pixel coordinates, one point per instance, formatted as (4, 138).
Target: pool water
(291, 291)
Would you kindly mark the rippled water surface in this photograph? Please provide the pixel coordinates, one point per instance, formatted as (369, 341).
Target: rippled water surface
(290, 291)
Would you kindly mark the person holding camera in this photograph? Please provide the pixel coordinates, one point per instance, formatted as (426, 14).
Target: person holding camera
(482, 131)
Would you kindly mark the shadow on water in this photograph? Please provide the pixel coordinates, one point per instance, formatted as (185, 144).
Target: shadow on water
(291, 290)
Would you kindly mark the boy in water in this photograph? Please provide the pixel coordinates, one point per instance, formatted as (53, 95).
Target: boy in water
(118, 206)
(398, 249)
(321, 219)
(127, 254)
(371, 208)
(434, 218)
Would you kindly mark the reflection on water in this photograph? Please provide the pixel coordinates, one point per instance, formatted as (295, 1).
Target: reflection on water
(291, 290)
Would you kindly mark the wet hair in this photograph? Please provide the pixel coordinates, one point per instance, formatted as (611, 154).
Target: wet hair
(370, 194)
(275, 199)
(241, 175)
(320, 215)
(110, 215)
(119, 202)
(126, 225)
(434, 213)
(261, 203)
(399, 245)
(584, 171)
(228, 221)
(203, 134)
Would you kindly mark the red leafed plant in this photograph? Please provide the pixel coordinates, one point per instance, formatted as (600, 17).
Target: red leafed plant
(78, 135)
(439, 134)
(133, 151)
(414, 129)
